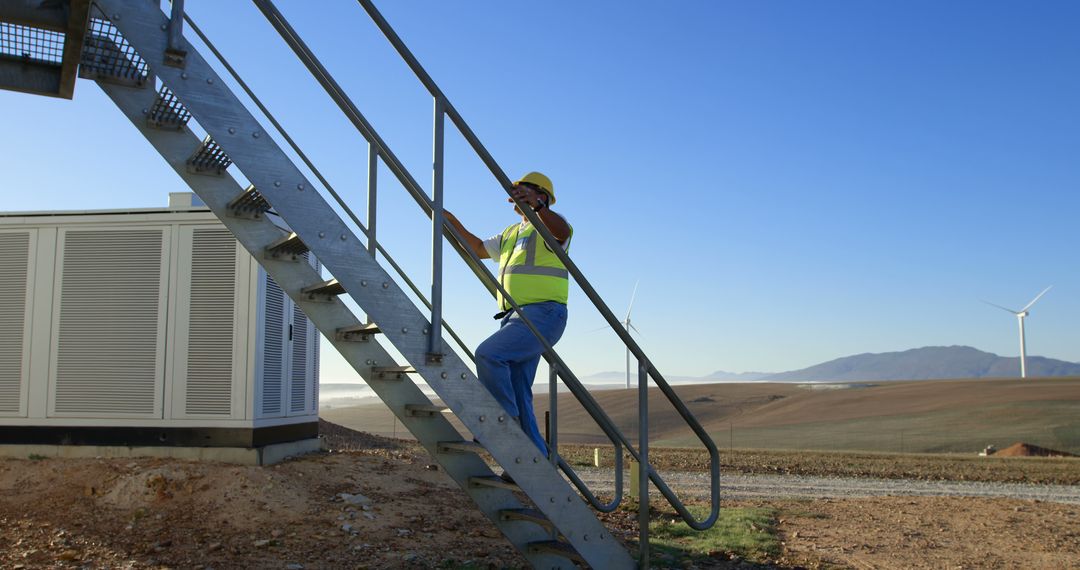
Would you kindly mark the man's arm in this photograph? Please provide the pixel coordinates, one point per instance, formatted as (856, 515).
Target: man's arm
(554, 222)
(474, 243)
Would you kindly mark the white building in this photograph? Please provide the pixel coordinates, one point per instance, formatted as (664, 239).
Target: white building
(149, 328)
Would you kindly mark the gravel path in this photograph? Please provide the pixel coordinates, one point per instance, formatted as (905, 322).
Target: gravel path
(695, 485)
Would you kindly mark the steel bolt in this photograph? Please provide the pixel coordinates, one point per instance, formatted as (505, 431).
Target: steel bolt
(209, 80)
(404, 329)
(300, 187)
(344, 237)
(585, 538)
(536, 460)
(232, 130)
(569, 499)
(444, 375)
(277, 183)
(115, 17)
(183, 75)
(482, 418)
(553, 499)
(385, 285)
(517, 460)
(426, 330)
(369, 362)
(502, 419)
(164, 27)
(463, 376)
(363, 283)
(256, 134)
(322, 235)
(146, 111)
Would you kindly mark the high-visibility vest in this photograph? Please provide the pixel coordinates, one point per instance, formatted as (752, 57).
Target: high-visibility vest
(528, 269)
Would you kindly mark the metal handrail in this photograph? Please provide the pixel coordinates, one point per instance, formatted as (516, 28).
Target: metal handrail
(579, 278)
(475, 263)
(367, 231)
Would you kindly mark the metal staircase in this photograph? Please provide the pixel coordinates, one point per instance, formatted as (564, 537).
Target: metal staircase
(137, 54)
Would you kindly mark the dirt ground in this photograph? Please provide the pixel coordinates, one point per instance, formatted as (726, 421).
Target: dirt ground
(153, 513)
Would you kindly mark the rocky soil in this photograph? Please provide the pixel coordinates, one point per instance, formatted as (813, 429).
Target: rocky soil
(379, 503)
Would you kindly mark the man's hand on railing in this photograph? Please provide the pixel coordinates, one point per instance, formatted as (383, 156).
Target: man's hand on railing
(474, 243)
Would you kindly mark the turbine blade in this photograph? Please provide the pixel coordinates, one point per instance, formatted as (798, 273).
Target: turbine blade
(1002, 308)
(1037, 297)
(635, 329)
(598, 329)
(632, 297)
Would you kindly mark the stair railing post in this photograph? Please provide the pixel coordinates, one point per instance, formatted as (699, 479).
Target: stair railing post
(372, 198)
(553, 414)
(643, 462)
(553, 423)
(373, 208)
(174, 54)
(435, 350)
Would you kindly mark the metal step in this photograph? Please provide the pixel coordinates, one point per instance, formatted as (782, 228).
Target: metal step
(289, 247)
(493, 481)
(209, 158)
(167, 112)
(250, 204)
(357, 333)
(460, 447)
(325, 291)
(391, 372)
(424, 410)
(527, 515)
(558, 548)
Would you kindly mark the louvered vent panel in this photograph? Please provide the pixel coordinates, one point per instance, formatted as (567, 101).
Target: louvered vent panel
(210, 333)
(273, 348)
(108, 334)
(299, 384)
(14, 265)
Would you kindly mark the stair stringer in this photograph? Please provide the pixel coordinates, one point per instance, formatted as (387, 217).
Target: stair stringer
(217, 191)
(269, 169)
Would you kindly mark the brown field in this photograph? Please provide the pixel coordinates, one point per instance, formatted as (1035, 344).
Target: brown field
(942, 416)
(166, 513)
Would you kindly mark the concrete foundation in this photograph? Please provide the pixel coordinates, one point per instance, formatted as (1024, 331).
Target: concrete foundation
(264, 455)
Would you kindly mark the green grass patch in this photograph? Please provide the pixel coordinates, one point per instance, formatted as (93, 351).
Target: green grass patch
(747, 532)
(36, 457)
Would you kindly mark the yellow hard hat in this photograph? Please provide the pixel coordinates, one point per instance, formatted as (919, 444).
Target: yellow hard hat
(541, 181)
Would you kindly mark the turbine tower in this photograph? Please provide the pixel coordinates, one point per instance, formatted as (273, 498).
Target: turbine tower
(1020, 320)
(626, 324)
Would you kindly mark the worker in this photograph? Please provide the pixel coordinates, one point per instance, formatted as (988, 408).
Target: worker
(537, 281)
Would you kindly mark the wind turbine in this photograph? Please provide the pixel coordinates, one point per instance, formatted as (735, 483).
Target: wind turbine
(626, 324)
(1020, 319)
(629, 327)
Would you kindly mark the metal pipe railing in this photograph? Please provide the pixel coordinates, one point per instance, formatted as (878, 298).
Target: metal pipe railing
(557, 460)
(373, 160)
(572, 268)
(473, 261)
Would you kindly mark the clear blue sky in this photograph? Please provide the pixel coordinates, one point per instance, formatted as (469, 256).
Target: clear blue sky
(791, 182)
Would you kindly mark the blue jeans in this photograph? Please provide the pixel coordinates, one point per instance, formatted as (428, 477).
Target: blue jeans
(506, 362)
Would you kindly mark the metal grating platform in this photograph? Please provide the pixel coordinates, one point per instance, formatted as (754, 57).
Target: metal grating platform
(31, 44)
(108, 56)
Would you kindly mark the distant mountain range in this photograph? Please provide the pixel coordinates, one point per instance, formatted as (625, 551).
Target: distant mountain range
(930, 362)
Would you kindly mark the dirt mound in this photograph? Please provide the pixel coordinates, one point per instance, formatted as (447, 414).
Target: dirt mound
(1021, 449)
